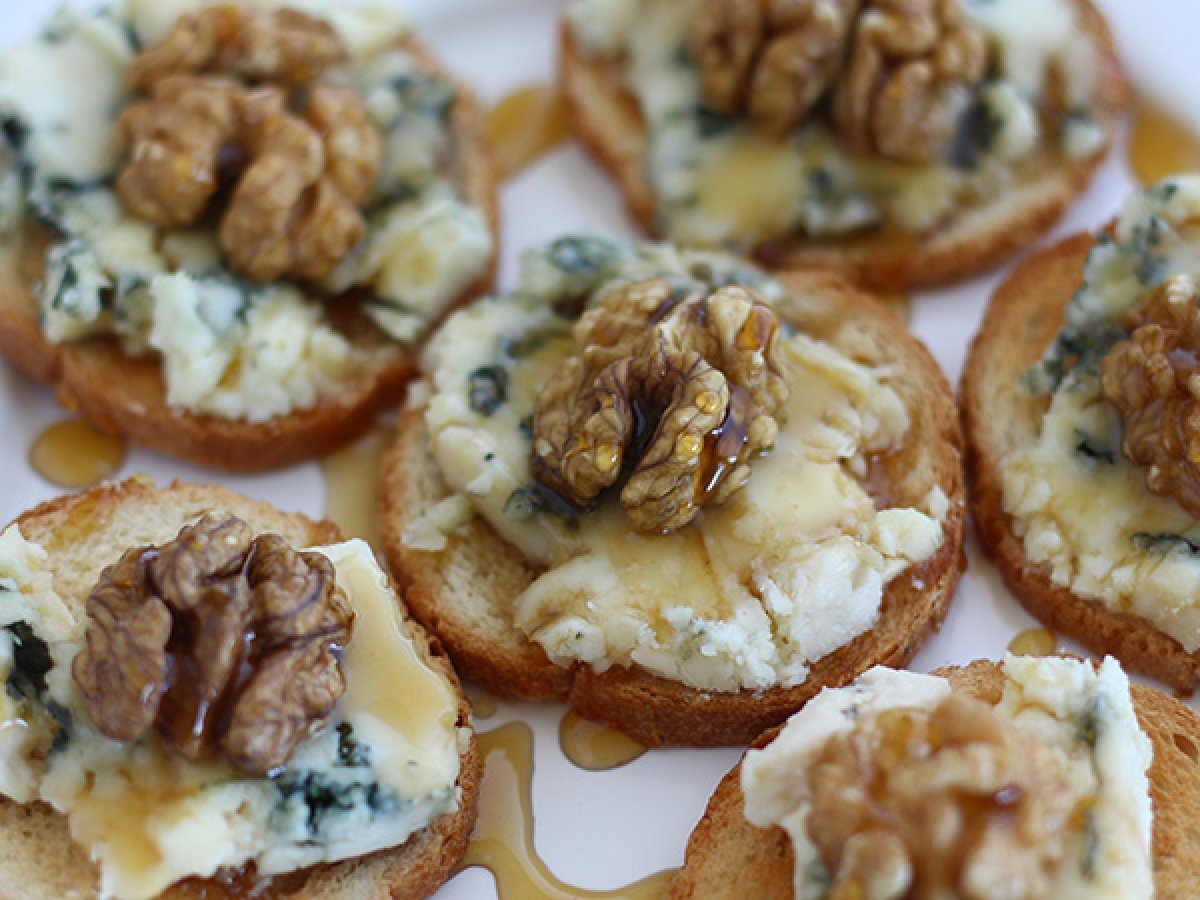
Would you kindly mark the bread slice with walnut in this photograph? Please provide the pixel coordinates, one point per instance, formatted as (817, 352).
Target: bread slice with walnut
(608, 118)
(1000, 417)
(465, 592)
(84, 533)
(128, 395)
(727, 857)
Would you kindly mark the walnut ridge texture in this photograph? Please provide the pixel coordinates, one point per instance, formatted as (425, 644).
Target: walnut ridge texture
(688, 385)
(217, 639)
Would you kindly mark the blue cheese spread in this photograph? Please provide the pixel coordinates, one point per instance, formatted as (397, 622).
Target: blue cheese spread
(1080, 507)
(230, 348)
(1083, 717)
(719, 183)
(748, 596)
(382, 767)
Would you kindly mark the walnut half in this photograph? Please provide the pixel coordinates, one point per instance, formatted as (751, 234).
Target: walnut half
(685, 385)
(952, 802)
(1153, 378)
(217, 639)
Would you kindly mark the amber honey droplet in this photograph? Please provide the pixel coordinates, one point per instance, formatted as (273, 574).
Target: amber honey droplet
(593, 746)
(525, 126)
(503, 838)
(1034, 642)
(76, 454)
(1161, 144)
(900, 303)
(483, 704)
(352, 485)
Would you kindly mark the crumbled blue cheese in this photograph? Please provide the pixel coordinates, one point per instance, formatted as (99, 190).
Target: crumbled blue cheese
(1086, 715)
(793, 567)
(384, 766)
(1079, 506)
(718, 183)
(59, 97)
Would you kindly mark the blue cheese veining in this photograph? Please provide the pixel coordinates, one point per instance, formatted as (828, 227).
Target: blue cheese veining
(382, 767)
(791, 568)
(261, 349)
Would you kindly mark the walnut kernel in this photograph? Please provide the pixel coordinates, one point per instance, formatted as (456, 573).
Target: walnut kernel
(1153, 378)
(218, 639)
(951, 802)
(907, 82)
(688, 384)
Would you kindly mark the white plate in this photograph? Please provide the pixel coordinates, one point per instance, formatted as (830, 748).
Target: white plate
(603, 830)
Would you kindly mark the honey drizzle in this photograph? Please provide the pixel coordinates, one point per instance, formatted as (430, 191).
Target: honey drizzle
(352, 485)
(503, 838)
(1161, 144)
(76, 454)
(593, 746)
(483, 704)
(1034, 642)
(525, 126)
(899, 303)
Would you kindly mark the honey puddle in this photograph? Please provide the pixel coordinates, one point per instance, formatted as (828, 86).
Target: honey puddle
(1034, 642)
(525, 126)
(593, 746)
(352, 485)
(503, 838)
(1161, 144)
(76, 454)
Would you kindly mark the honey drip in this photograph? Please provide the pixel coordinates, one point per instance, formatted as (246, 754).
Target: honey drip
(525, 126)
(1161, 144)
(1034, 642)
(352, 485)
(76, 454)
(483, 704)
(503, 838)
(595, 747)
(899, 303)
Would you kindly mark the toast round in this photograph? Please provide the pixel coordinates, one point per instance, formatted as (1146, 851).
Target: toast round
(607, 118)
(128, 396)
(727, 857)
(85, 532)
(464, 593)
(1021, 321)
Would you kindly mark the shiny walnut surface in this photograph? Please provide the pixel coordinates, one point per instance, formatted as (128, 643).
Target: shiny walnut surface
(1153, 378)
(218, 640)
(899, 70)
(678, 391)
(952, 802)
(219, 115)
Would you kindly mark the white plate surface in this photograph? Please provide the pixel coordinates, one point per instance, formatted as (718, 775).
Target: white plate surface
(603, 830)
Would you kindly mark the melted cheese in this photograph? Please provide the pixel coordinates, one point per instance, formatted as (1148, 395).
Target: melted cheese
(1064, 703)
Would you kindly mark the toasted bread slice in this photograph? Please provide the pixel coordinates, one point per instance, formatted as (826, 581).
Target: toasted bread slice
(464, 593)
(86, 532)
(727, 857)
(128, 396)
(1023, 319)
(608, 119)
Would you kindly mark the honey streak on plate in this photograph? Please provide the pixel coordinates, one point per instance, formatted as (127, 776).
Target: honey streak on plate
(524, 126)
(352, 485)
(503, 838)
(593, 746)
(76, 454)
(1161, 144)
(1034, 642)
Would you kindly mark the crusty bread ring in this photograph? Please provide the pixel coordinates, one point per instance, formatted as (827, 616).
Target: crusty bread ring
(83, 533)
(728, 858)
(128, 396)
(464, 593)
(1022, 320)
(607, 118)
